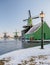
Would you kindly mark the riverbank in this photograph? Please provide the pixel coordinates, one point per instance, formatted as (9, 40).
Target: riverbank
(24, 56)
(37, 41)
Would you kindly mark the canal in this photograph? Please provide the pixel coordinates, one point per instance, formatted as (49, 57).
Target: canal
(11, 45)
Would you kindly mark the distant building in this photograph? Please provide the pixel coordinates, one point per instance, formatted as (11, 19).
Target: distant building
(35, 32)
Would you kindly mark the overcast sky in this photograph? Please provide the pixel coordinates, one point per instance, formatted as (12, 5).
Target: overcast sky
(12, 13)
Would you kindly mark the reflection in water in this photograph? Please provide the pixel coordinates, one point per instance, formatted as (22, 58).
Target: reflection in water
(11, 45)
(18, 44)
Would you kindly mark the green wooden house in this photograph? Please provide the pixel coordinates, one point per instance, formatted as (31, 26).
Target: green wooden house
(35, 32)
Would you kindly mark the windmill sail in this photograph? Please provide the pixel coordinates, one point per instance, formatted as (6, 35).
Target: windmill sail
(29, 20)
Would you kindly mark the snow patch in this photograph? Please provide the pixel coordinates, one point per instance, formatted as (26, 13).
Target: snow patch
(17, 57)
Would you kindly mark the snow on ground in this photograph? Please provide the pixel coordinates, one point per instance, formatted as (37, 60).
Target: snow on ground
(29, 56)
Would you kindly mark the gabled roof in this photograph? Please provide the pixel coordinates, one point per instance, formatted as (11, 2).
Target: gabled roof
(35, 32)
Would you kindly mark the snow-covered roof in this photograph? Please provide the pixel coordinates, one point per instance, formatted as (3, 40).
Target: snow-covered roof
(34, 28)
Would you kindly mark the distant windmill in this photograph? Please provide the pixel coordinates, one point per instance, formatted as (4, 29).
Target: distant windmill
(5, 35)
(29, 22)
(16, 35)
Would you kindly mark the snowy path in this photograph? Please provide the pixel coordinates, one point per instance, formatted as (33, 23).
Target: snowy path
(28, 56)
